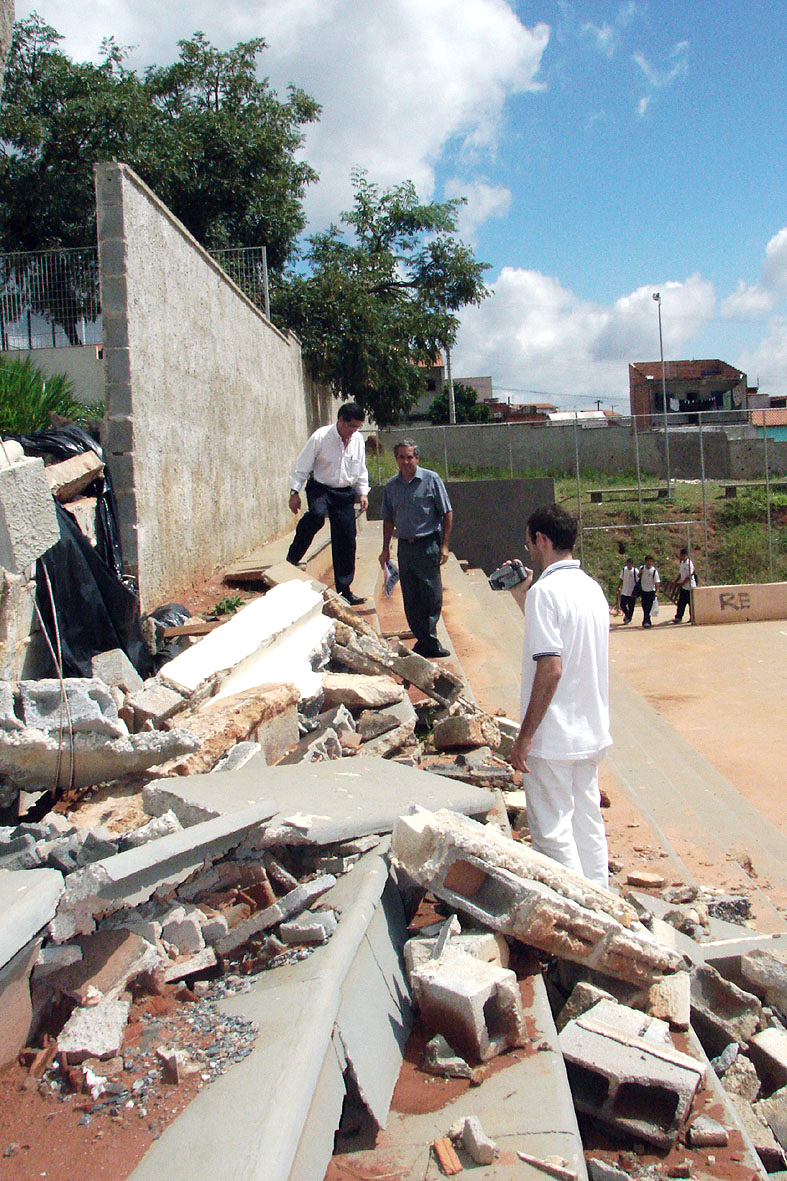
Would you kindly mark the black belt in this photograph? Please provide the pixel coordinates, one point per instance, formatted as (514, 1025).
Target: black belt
(422, 537)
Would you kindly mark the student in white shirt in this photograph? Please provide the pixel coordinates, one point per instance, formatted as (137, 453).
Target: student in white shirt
(332, 465)
(686, 583)
(565, 700)
(628, 580)
(650, 582)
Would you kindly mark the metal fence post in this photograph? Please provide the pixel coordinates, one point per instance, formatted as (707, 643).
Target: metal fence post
(579, 492)
(767, 494)
(510, 454)
(445, 454)
(639, 477)
(704, 496)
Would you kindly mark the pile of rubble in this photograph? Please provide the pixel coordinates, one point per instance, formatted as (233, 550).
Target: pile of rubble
(286, 746)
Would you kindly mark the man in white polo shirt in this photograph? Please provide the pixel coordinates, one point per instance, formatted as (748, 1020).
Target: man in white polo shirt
(565, 700)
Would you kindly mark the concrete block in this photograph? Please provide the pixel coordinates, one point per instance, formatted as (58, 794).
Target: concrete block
(309, 927)
(768, 1050)
(388, 743)
(643, 1089)
(476, 1143)
(154, 704)
(183, 931)
(71, 476)
(91, 707)
(94, 1032)
(372, 723)
(239, 756)
(504, 885)
(360, 692)
(584, 996)
(159, 826)
(214, 928)
(16, 1011)
(670, 999)
(766, 975)
(705, 1132)
(720, 1011)
(628, 1021)
(475, 1004)
(28, 522)
(488, 946)
(459, 732)
(115, 668)
(774, 1111)
(741, 1078)
(441, 1059)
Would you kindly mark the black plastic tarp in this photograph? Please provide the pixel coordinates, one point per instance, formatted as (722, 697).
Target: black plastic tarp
(95, 611)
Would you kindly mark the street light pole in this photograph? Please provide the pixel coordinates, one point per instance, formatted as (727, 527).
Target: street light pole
(657, 298)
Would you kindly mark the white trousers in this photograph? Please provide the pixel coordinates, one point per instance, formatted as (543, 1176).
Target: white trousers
(564, 815)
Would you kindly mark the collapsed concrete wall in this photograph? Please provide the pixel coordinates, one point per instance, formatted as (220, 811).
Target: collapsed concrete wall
(207, 403)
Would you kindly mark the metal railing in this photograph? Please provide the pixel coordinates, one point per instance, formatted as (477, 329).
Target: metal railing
(49, 298)
(247, 266)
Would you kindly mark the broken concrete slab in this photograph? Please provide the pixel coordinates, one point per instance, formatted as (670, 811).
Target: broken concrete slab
(373, 723)
(720, 1011)
(108, 961)
(631, 1022)
(357, 691)
(640, 1088)
(130, 878)
(239, 756)
(284, 908)
(250, 647)
(774, 1111)
(28, 901)
(318, 746)
(321, 803)
(741, 1078)
(94, 1032)
(670, 999)
(344, 1009)
(30, 758)
(159, 826)
(388, 743)
(311, 926)
(768, 1050)
(505, 885)
(489, 946)
(16, 1010)
(368, 654)
(758, 1132)
(475, 1004)
(153, 704)
(766, 975)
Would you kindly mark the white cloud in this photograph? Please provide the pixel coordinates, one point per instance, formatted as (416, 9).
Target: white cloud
(399, 81)
(658, 78)
(535, 334)
(483, 201)
(752, 301)
(603, 37)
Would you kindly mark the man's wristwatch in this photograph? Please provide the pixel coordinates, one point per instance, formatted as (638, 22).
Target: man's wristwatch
(293, 492)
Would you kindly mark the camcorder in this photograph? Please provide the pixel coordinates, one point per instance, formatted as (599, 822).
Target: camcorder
(508, 575)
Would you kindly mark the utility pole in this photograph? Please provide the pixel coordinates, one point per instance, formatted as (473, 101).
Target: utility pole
(451, 401)
(657, 298)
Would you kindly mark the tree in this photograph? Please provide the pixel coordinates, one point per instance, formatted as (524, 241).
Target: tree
(468, 408)
(380, 296)
(214, 141)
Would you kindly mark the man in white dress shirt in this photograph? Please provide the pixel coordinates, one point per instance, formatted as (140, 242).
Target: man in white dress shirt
(332, 465)
(565, 700)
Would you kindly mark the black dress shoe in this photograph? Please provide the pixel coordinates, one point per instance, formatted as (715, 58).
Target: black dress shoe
(431, 651)
(352, 599)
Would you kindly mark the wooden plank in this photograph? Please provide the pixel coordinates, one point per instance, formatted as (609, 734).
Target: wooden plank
(197, 627)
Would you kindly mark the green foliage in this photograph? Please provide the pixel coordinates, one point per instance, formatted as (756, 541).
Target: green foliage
(749, 505)
(214, 142)
(227, 606)
(28, 398)
(380, 296)
(466, 404)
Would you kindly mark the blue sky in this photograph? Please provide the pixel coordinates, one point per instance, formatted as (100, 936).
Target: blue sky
(607, 150)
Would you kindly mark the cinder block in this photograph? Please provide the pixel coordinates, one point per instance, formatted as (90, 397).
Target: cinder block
(115, 668)
(628, 1083)
(488, 946)
(118, 435)
(28, 521)
(504, 885)
(459, 732)
(628, 1021)
(720, 1011)
(91, 707)
(154, 704)
(475, 1005)
(768, 1051)
(670, 999)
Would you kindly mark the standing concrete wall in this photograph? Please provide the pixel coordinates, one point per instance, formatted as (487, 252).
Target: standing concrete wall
(535, 448)
(82, 364)
(207, 403)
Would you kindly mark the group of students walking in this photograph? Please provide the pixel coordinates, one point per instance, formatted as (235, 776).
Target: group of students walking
(643, 583)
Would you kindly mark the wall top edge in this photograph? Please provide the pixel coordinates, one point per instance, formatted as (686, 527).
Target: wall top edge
(106, 168)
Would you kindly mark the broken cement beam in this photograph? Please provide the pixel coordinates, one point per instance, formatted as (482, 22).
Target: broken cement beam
(634, 1085)
(28, 900)
(720, 1011)
(360, 691)
(370, 654)
(268, 714)
(129, 879)
(459, 732)
(505, 885)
